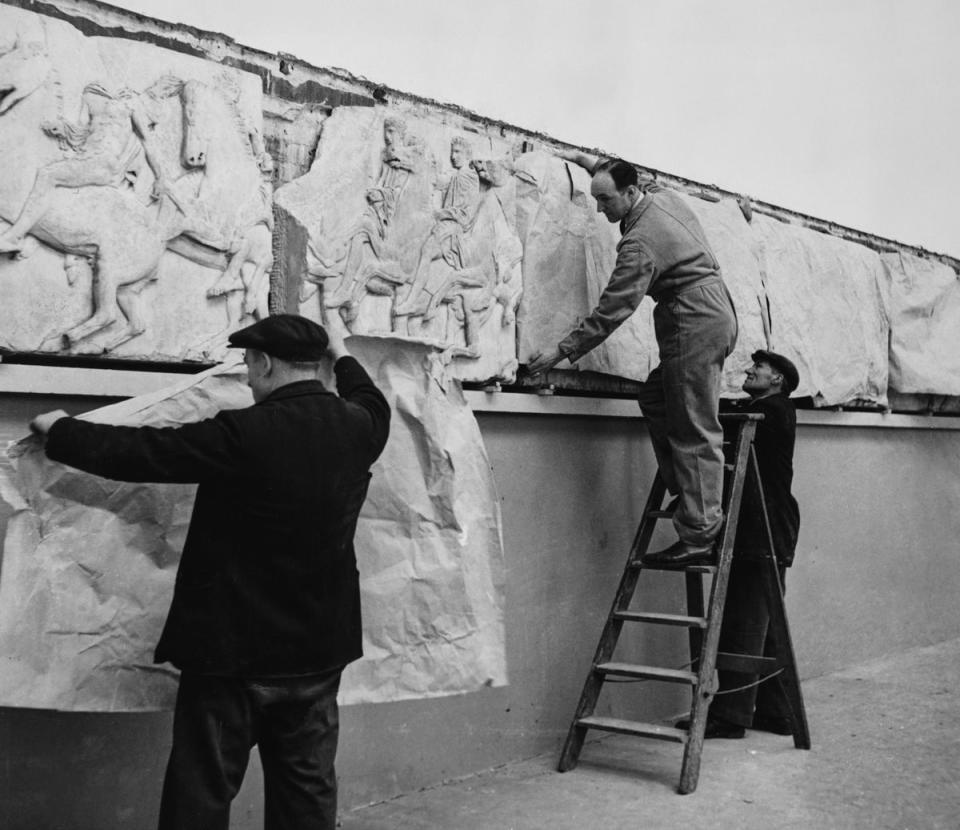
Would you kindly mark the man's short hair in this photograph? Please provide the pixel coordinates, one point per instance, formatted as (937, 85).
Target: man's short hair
(623, 173)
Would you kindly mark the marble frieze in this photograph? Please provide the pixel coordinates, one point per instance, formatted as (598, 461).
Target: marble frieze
(136, 197)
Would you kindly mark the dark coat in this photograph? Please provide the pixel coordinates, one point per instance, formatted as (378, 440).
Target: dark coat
(267, 583)
(774, 444)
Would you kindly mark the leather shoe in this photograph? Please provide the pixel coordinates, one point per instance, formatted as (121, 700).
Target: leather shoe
(778, 725)
(681, 553)
(716, 728)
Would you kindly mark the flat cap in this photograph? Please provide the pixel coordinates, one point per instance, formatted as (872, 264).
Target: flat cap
(791, 377)
(286, 336)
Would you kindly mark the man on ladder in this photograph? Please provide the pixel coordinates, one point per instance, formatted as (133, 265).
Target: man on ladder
(744, 630)
(664, 253)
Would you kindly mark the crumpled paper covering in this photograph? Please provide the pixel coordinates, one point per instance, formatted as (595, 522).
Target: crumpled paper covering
(924, 327)
(736, 247)
(829, 310)
(88, 564)
(429, 541)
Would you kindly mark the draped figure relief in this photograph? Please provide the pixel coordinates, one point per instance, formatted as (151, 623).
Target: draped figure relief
(412, 233)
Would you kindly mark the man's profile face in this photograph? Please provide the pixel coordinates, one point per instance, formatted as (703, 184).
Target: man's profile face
(612, 203)
(762, 379)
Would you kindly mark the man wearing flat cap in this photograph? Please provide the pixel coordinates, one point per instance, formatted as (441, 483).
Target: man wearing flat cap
(744, 630)
(266, 606)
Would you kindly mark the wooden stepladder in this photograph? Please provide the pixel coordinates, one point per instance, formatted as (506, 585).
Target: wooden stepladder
(703, 625)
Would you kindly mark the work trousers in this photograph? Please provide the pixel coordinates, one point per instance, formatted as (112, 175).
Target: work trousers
(696, 330)
(217, 720)
(745, 630)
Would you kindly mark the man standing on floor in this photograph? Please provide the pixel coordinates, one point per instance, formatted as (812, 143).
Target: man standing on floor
(266, 606)
(745, 629)
(664, 252)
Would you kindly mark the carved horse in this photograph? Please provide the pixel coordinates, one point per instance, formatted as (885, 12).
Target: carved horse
(119, 238)
(232, 208)
(107, 230)
(122, 242)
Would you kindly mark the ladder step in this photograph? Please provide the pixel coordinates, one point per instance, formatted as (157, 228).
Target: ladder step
(648, 672)
(661, 619)
(630, 727)
(693, 569)
(660, 514)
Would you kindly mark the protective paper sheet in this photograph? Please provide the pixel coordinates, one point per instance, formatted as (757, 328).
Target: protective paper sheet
(88, 564)
(829, 311)
(924, 326)
(735, 246)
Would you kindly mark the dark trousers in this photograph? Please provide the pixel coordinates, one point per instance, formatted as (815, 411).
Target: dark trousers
(745, 630)
(217, 720)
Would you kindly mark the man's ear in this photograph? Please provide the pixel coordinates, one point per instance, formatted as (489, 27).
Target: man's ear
(268, 364)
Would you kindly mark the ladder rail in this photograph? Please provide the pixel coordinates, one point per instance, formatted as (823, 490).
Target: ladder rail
(778, 619)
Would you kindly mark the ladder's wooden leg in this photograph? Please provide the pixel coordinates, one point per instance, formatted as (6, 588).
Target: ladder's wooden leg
(698, 706)
(703, 693)
(780, 631)
(695, 609)
(778, 627)
(572, 746)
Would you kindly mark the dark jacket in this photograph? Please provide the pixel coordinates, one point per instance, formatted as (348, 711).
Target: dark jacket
(267, 583)
(774, 443)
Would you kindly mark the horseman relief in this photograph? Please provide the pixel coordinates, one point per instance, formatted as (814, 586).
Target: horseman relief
(137, 215)
(410, 232)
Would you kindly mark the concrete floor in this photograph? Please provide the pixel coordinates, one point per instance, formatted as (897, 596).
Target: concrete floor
(886, 754)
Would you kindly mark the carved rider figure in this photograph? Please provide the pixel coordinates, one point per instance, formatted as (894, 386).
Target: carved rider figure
(399, 159)
(457, 214)
(397, 165)
(104, 149)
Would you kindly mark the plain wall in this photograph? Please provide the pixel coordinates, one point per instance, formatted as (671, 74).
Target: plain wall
(875, 573)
